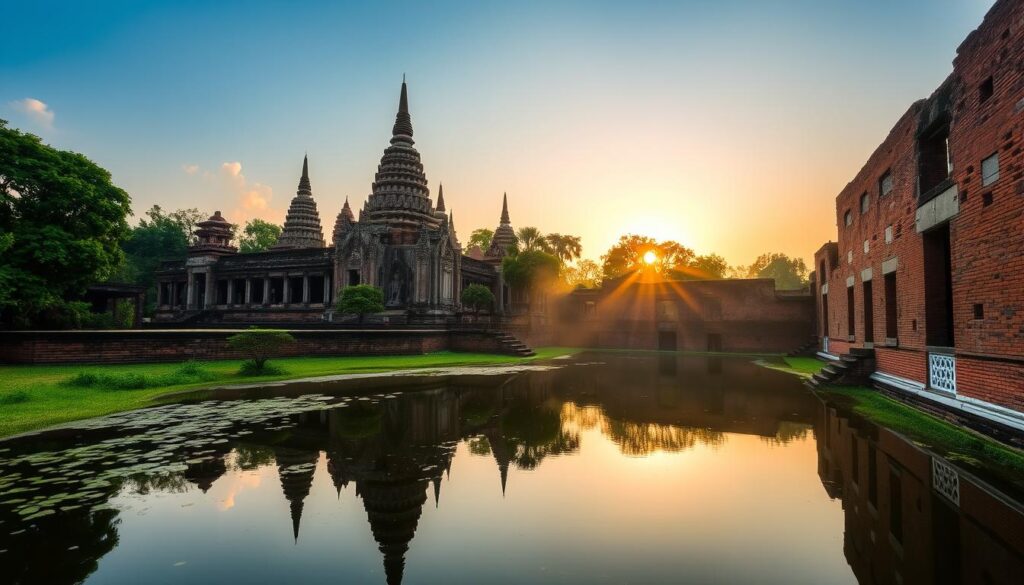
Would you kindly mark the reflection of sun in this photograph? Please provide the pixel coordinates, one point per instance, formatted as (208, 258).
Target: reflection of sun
(650, 257)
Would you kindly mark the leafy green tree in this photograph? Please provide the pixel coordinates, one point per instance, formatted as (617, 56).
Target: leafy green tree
(63, 221)
(584, 274)
(362, 300)
(259, 345)
(258, 236)
(159, 236)
(477, 296)
(530, 269)
(708, 266)
(481, 237)
(530, 239)
(564, 247)
(788, 273)
(628, 254)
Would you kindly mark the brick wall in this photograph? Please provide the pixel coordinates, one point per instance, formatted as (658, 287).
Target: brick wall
(178, 345)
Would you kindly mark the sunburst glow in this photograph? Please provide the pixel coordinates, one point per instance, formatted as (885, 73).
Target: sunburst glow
(650, 257)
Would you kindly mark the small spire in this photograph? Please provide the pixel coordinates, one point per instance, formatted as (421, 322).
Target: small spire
(440, 197)
(504, 210)
(437, 491)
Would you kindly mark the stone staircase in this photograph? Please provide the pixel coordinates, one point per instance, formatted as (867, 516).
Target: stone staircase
(850, 369)
(511, 345)
(807, 349)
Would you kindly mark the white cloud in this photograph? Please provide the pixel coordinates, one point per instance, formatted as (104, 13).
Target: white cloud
(37, 110)
(190, 169)
(253, 198)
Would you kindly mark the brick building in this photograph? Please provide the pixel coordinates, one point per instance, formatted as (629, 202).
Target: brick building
(928, 271)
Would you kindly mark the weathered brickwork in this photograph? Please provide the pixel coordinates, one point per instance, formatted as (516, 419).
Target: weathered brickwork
(964, 297)
(119, 347)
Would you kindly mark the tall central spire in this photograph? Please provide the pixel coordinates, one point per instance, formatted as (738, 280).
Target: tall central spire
(302, 224)
(504, 210)
(403, 121)
(304, 187)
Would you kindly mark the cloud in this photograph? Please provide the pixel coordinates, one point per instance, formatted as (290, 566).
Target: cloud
(253, 198)
(36, 110)
(190, 169)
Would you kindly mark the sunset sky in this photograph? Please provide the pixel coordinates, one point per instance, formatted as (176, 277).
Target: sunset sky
(729, 126)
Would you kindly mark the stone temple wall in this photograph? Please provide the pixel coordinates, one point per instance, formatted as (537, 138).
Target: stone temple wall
(138, 346)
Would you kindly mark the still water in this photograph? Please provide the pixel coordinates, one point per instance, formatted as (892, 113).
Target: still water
(605, 468)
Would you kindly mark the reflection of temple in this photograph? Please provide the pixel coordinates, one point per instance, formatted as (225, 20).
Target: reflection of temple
(912, 517)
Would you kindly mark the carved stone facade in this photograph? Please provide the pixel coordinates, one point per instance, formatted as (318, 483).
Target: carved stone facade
(401, 243)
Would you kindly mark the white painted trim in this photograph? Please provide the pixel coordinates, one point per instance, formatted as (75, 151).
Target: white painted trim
(828, 356)
(986, 410)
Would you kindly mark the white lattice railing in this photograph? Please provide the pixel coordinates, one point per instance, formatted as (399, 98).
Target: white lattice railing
(942, 372)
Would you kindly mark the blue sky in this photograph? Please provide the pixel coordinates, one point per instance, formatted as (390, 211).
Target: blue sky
(729, 126)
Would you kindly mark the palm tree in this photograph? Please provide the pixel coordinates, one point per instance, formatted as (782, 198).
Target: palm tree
(566, 248)
(531, 239)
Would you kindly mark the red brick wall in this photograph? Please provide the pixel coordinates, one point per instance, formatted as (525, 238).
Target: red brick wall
(1000, 383)
(912, 365)
(178, 345)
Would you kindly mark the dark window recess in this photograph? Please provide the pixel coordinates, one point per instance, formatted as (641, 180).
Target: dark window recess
(891, 327)
(848, 218)
(938, 284)
(986, 199)
(896, 506)
(869, 313)
(294, 290)
(222, 292)
(824, 315)
(667, 340)
(986, 89)
(885, 184)
(979, 311)
(353, 277)
(257, 291)
(851, 320)
(934, 165)
(865, 203)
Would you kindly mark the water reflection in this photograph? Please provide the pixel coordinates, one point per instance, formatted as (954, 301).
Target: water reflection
(67, 499)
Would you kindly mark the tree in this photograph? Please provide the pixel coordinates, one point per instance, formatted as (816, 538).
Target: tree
(566, 248)
(477, 296)
(362, 300)
(628, 254)
(64, 222)
(163, 236)
(531, 239)
(259, 345)
(530, 269)
(708, 266)
(585, 274)
(258, 236)
(481, 237)
(788, 273)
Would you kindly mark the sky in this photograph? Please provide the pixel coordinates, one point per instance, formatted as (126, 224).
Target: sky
(728, 126)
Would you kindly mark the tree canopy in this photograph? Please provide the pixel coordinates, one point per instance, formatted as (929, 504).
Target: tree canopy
(159, 236)
(530, 269)
(564, 247)
(477, 296)
(258, 236)
(628, 254)
(788, 273)
(481, 237)
(362, 300)
(584, 274)
(531, 239)
(62, 220)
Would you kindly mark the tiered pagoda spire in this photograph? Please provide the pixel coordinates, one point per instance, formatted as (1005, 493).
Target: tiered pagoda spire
(213, 236)
(400, 193)
(504, 237)
(440, 198)
(302, 224)
(344, 222)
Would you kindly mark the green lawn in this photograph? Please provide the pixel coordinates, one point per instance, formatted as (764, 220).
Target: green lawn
(35, 397)
(804, 367)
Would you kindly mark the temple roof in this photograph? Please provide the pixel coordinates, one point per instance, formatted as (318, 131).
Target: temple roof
(302, 224)
(344, 221)
(504, 237)
(400, 193)
(213, 235)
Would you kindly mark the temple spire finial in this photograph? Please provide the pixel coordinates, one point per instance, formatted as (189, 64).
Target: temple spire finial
(304, 186)
(440, 197)
(504, 209)
(403, 122)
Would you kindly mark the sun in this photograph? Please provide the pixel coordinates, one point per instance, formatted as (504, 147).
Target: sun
(650, 257)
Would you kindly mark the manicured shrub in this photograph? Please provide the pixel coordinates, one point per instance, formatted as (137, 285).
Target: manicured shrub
(477, 296)
(362, 300)
(259, 345)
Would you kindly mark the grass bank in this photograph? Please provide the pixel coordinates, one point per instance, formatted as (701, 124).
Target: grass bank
(36, 397)
(973, 450)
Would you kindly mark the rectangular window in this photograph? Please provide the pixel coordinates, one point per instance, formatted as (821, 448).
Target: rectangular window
(869, 313)
(888, 234)
(933, 159)
(979, 311)
(885, 184)
(850, 319)
(990, 170)
(848, 218)
(865, 203)
(890, 306)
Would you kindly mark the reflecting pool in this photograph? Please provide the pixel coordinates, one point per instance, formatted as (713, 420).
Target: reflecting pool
(603, 468)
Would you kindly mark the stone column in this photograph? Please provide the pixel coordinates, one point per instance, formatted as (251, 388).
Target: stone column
(248, 291)
(211, 290)
(501, 293)
(286, 290)
(190, 292)
(305, 289)
(266, 290)
(231, 292)
(327, 289)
